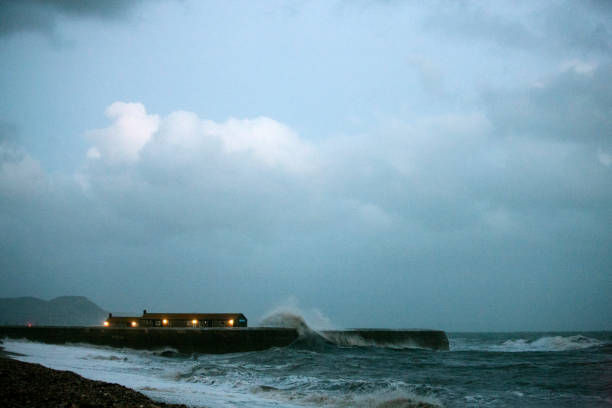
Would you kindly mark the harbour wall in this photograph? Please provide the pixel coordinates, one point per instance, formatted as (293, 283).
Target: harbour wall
(213, 341)
(218, 340)
(417, 338)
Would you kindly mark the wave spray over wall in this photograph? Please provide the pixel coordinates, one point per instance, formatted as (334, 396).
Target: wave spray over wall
(323, 336)
(308, 338)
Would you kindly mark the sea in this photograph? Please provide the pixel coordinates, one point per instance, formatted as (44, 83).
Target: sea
(480, 370)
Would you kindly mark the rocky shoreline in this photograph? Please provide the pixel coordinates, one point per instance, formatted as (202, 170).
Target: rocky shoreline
(33, 385)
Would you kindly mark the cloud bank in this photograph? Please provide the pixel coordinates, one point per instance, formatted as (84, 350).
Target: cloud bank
(421, 200)
(389, 164)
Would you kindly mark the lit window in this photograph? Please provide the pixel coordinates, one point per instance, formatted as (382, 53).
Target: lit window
(231, 322)
(134, 324)
(165, 322)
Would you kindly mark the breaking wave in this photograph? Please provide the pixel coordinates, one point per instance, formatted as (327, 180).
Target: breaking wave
(319, 340)
(552, 343)
(354, 376)
(541, 344)
(308, 338)
(288, 320)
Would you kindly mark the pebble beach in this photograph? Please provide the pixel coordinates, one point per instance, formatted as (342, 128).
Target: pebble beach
(33, 385)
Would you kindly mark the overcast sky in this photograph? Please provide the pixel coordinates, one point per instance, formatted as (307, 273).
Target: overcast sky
(373, 163)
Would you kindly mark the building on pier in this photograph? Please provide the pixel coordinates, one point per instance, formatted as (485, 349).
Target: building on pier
(182, 320)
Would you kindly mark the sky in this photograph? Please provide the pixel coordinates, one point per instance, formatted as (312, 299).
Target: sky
(398, 164)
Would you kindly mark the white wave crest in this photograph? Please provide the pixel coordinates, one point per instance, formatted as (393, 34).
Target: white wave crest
(517, 345)
(551, 343)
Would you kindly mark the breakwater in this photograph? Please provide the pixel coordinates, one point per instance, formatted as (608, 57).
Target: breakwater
(418, 338)
(187, 340)
(219, 340)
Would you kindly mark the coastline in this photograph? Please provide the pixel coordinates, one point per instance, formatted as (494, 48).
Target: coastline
(33, 385)
(223, 340)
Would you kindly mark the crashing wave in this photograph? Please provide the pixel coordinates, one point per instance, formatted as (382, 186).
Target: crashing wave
(288, 320)
(552, 343)
(542, 344)
(308, 338)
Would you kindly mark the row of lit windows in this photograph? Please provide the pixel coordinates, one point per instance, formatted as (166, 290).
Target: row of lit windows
(164, 322)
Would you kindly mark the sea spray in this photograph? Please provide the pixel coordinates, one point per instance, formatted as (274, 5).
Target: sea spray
(313, 317)
(383, 338)
(307, 322)
(308, 338)
(288, 320)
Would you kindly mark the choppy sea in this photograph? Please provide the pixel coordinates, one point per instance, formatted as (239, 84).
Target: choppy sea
(480, 370)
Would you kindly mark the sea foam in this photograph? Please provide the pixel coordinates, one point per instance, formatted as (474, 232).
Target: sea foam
(550, 343)
(520, 344)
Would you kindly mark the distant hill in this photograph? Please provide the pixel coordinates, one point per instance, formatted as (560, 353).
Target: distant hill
(61, 311)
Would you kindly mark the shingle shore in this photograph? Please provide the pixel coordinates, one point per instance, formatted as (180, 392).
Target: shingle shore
(33, 385)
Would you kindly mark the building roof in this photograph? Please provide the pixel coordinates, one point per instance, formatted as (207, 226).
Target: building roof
(191, 316)
(123, 318)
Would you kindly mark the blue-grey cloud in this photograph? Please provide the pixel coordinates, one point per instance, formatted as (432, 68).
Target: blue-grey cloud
(42, 15)
(389, 171)
(546, 27)
(250, 198)
(573, 106)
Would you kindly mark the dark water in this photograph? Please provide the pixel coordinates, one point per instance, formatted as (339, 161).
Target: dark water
(481, 369)
(510, 369)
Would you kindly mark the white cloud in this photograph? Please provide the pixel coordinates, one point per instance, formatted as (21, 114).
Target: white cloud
(191, 174)
(267, 140)
(181, 129)
(263, 139)
(131, 130)
(251, 175)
